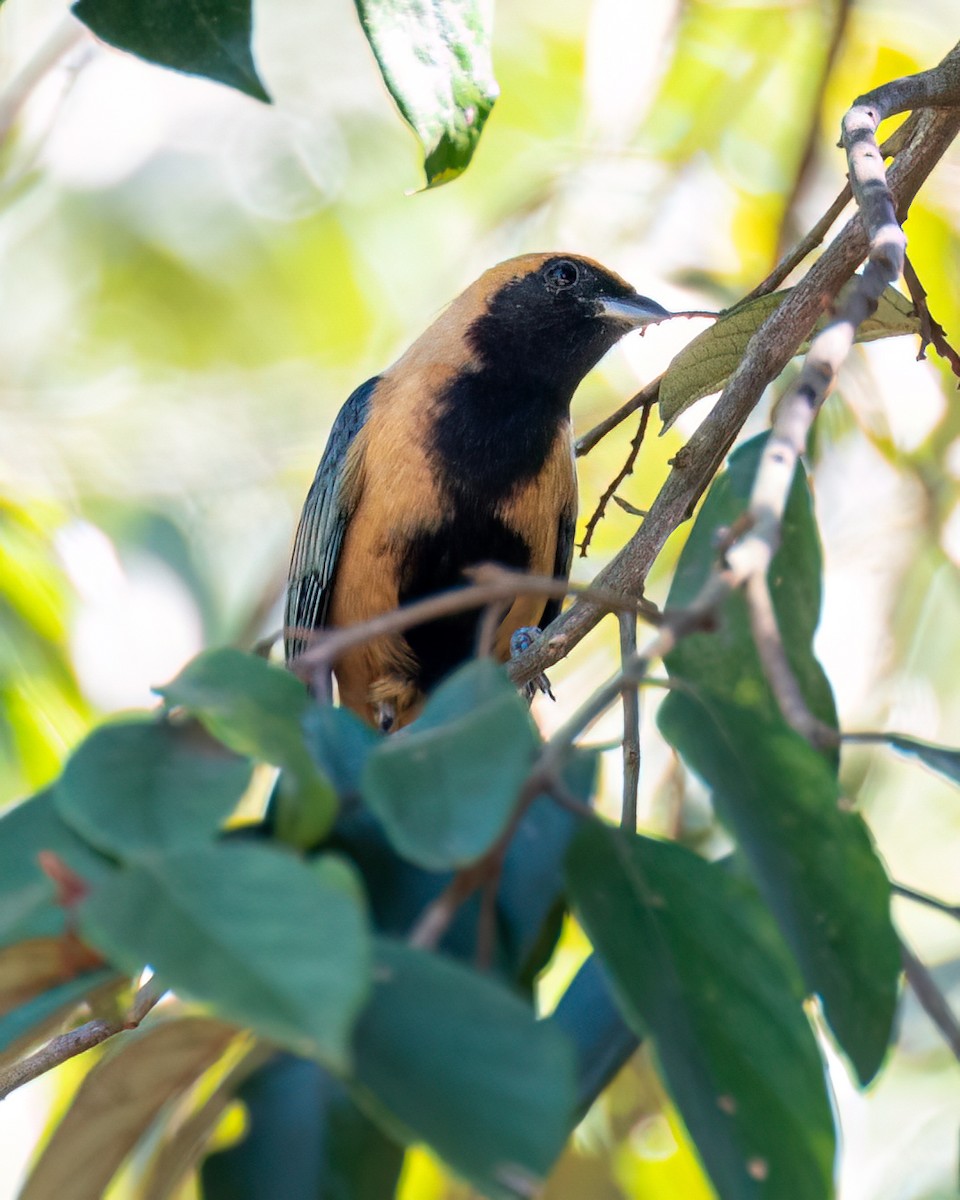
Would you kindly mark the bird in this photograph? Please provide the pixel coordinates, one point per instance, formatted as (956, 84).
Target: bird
(459, 453)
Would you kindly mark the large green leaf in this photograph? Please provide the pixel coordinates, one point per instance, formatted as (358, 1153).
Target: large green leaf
(257, 709)
(339, 743)
(119, 1100)
(814, 863)
(201, 37)
(434, 56)
(446, 789)
(265, 939)
(28, 906)
(139, 786)
(345, 1157)
(698, 965)
(450, 1058)
(705, 363)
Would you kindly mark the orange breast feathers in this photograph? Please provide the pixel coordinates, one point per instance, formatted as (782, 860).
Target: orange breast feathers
(397, 496)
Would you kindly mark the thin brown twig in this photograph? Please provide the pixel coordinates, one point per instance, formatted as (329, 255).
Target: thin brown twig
(68, 1045)
(812, 240)
(493, 614)
(932, 333)
(437, 917)
(908, 893)
(645, 398)
(627, 469)
(932, 1000)
(492, 584)
(631, 727)
(805, 246)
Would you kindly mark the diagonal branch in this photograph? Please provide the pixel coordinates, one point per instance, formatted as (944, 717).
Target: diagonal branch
(68, 1045)
(770, 349)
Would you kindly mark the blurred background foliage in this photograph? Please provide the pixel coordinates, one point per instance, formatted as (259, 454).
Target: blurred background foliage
(194, 281)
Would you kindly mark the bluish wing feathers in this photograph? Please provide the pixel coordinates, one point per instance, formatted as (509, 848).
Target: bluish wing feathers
(322, 527)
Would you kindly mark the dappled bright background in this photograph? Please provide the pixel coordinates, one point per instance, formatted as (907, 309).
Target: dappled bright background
(191, 283)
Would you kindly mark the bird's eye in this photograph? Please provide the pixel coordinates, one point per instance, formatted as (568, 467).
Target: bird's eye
(561, 275)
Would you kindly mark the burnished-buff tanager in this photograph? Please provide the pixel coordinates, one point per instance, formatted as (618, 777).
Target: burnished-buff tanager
(459, 453)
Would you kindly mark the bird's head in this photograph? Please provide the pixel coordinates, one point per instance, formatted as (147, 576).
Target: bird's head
(552, 315)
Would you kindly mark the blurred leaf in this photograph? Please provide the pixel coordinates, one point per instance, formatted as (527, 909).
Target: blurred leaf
(814, 862)
(434, 56)
(601, 1037)
(777, 795)
(344, 1157)
(118, 1102)
(31, 1019)
(726, 661)
(942, 759)
(186, 1140)
(139, 786)
(532, 881)
(446, 788)
(28, 906)
(32, 967)
(704, 364)
(451, 1058)
(41, 708)
(256, 709)
(265, 939)
(339, 743)
(200, 37)
(699, 966)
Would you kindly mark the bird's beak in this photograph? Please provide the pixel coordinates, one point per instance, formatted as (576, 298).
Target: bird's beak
(631, 311)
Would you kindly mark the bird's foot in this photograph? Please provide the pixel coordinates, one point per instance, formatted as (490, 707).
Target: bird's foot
(521, 640)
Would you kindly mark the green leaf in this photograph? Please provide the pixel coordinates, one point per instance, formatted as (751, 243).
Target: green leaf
(942, 759)
(32, 967)
(705, 364)
(815, 864)
(446, 788)
(119, 1100)
(346, 1156)
(339, 743)
(200, 37)
(29, 1022)
(138, 786)
(266, 940)
(725, 661)
(698, 965)
(452, 1059)
(28, 906)
(186, 1141)
(434, 56)
(256, 709)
